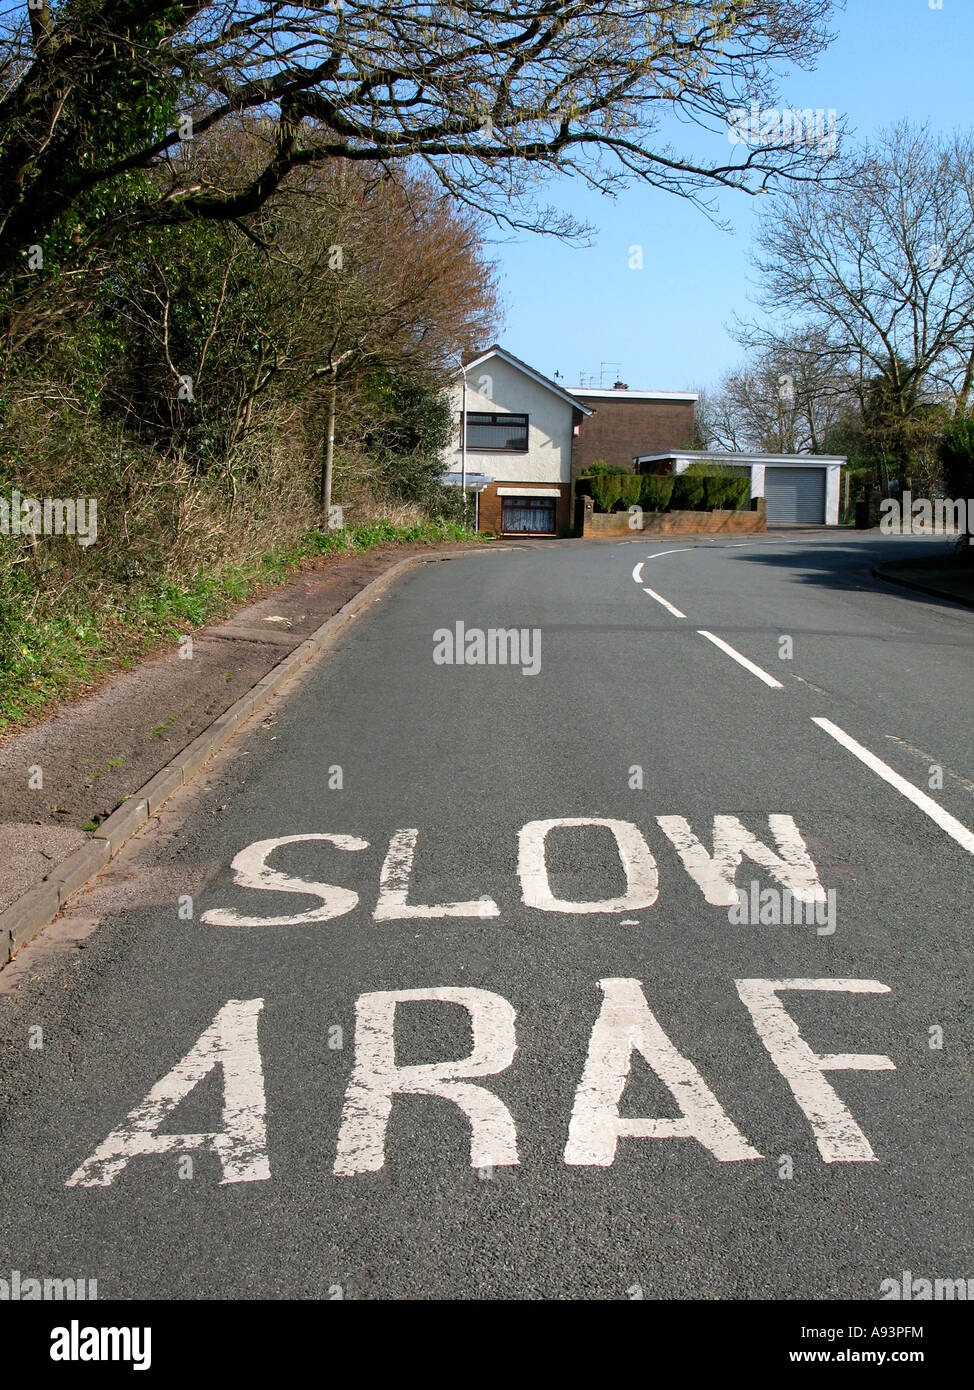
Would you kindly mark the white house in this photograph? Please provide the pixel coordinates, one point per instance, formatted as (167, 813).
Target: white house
(520, 428)
(522, 439)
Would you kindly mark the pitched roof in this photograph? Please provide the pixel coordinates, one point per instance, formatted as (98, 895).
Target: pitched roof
(518, 365)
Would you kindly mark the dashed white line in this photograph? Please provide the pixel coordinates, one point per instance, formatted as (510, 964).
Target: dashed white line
(931, 808)
(741, 660)
(683, 550)
(670, 608)
(637, 573)
(930, 760)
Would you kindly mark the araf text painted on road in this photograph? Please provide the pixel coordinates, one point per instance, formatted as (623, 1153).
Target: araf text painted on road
(625, 1025)
(230, 1042)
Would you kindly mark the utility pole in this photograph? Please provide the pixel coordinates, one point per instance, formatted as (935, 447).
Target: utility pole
(324, 488)
(324, 485)
(463, 436)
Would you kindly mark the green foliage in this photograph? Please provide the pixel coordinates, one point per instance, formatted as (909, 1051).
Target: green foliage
(656, 492)
(688, 493)
(409, 426)
(702, 488)
(713, 487)
(55, 644)
(612, 489)
(957, 458)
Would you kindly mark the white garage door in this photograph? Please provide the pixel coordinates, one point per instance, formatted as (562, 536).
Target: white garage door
(795, 495)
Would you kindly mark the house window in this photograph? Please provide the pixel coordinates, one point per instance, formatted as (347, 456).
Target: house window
(497, 433)
(528, 514)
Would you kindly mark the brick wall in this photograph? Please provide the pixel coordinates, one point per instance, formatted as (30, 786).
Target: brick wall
(620, 429)
(676, 523)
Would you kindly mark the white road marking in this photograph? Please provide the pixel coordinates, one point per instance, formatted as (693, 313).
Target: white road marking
(250, 870)
(642, 875)
(683, 550)
(230, 1042)
(624, 1025)
(931, 761)
(741, 660)
(671, 608)
(931, 808)
(394, 888)
(376, 1078)
(714, 875)
(637, 573)
(839, 1138)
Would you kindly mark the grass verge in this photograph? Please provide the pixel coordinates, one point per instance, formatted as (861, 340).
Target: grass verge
(55, 646)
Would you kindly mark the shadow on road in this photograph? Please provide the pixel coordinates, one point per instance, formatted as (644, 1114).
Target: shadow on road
(850, 564)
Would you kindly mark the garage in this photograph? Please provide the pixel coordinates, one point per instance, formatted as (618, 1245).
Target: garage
(799, 489)
(795, 496)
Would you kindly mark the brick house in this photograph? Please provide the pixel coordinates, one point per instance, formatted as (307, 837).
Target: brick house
(622, 418)
(528, 439)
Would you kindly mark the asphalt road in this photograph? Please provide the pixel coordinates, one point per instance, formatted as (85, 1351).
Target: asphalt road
(758, 1172)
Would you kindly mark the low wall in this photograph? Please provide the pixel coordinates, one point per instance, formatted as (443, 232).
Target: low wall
(675, 523)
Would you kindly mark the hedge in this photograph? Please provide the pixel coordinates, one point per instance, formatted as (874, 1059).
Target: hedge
(684, 492)
(657, 492)
(613, 491)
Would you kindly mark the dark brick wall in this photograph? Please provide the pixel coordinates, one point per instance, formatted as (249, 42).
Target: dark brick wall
(622, 428)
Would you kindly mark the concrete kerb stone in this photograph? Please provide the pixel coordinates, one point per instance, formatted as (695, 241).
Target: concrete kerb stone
(37, 908)
(75, 871)
(28, 915)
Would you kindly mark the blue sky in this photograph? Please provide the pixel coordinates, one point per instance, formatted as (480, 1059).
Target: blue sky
(571, 309)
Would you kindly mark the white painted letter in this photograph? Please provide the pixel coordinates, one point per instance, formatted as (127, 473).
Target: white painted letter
(839, 1138)
(394, 888)
(230, 1042)
(793, 868)
(251, 871)
(642, 877)
(626, 1023)
(376, 1078)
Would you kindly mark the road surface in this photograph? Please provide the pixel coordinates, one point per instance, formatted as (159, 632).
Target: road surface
(436, 984)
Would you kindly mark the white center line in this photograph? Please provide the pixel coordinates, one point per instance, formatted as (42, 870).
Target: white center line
(665, 602)
(943, 818)
(741, 660)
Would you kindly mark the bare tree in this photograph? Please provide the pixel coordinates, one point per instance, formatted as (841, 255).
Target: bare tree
(489, 93)
(876, 269)
(785, 399)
